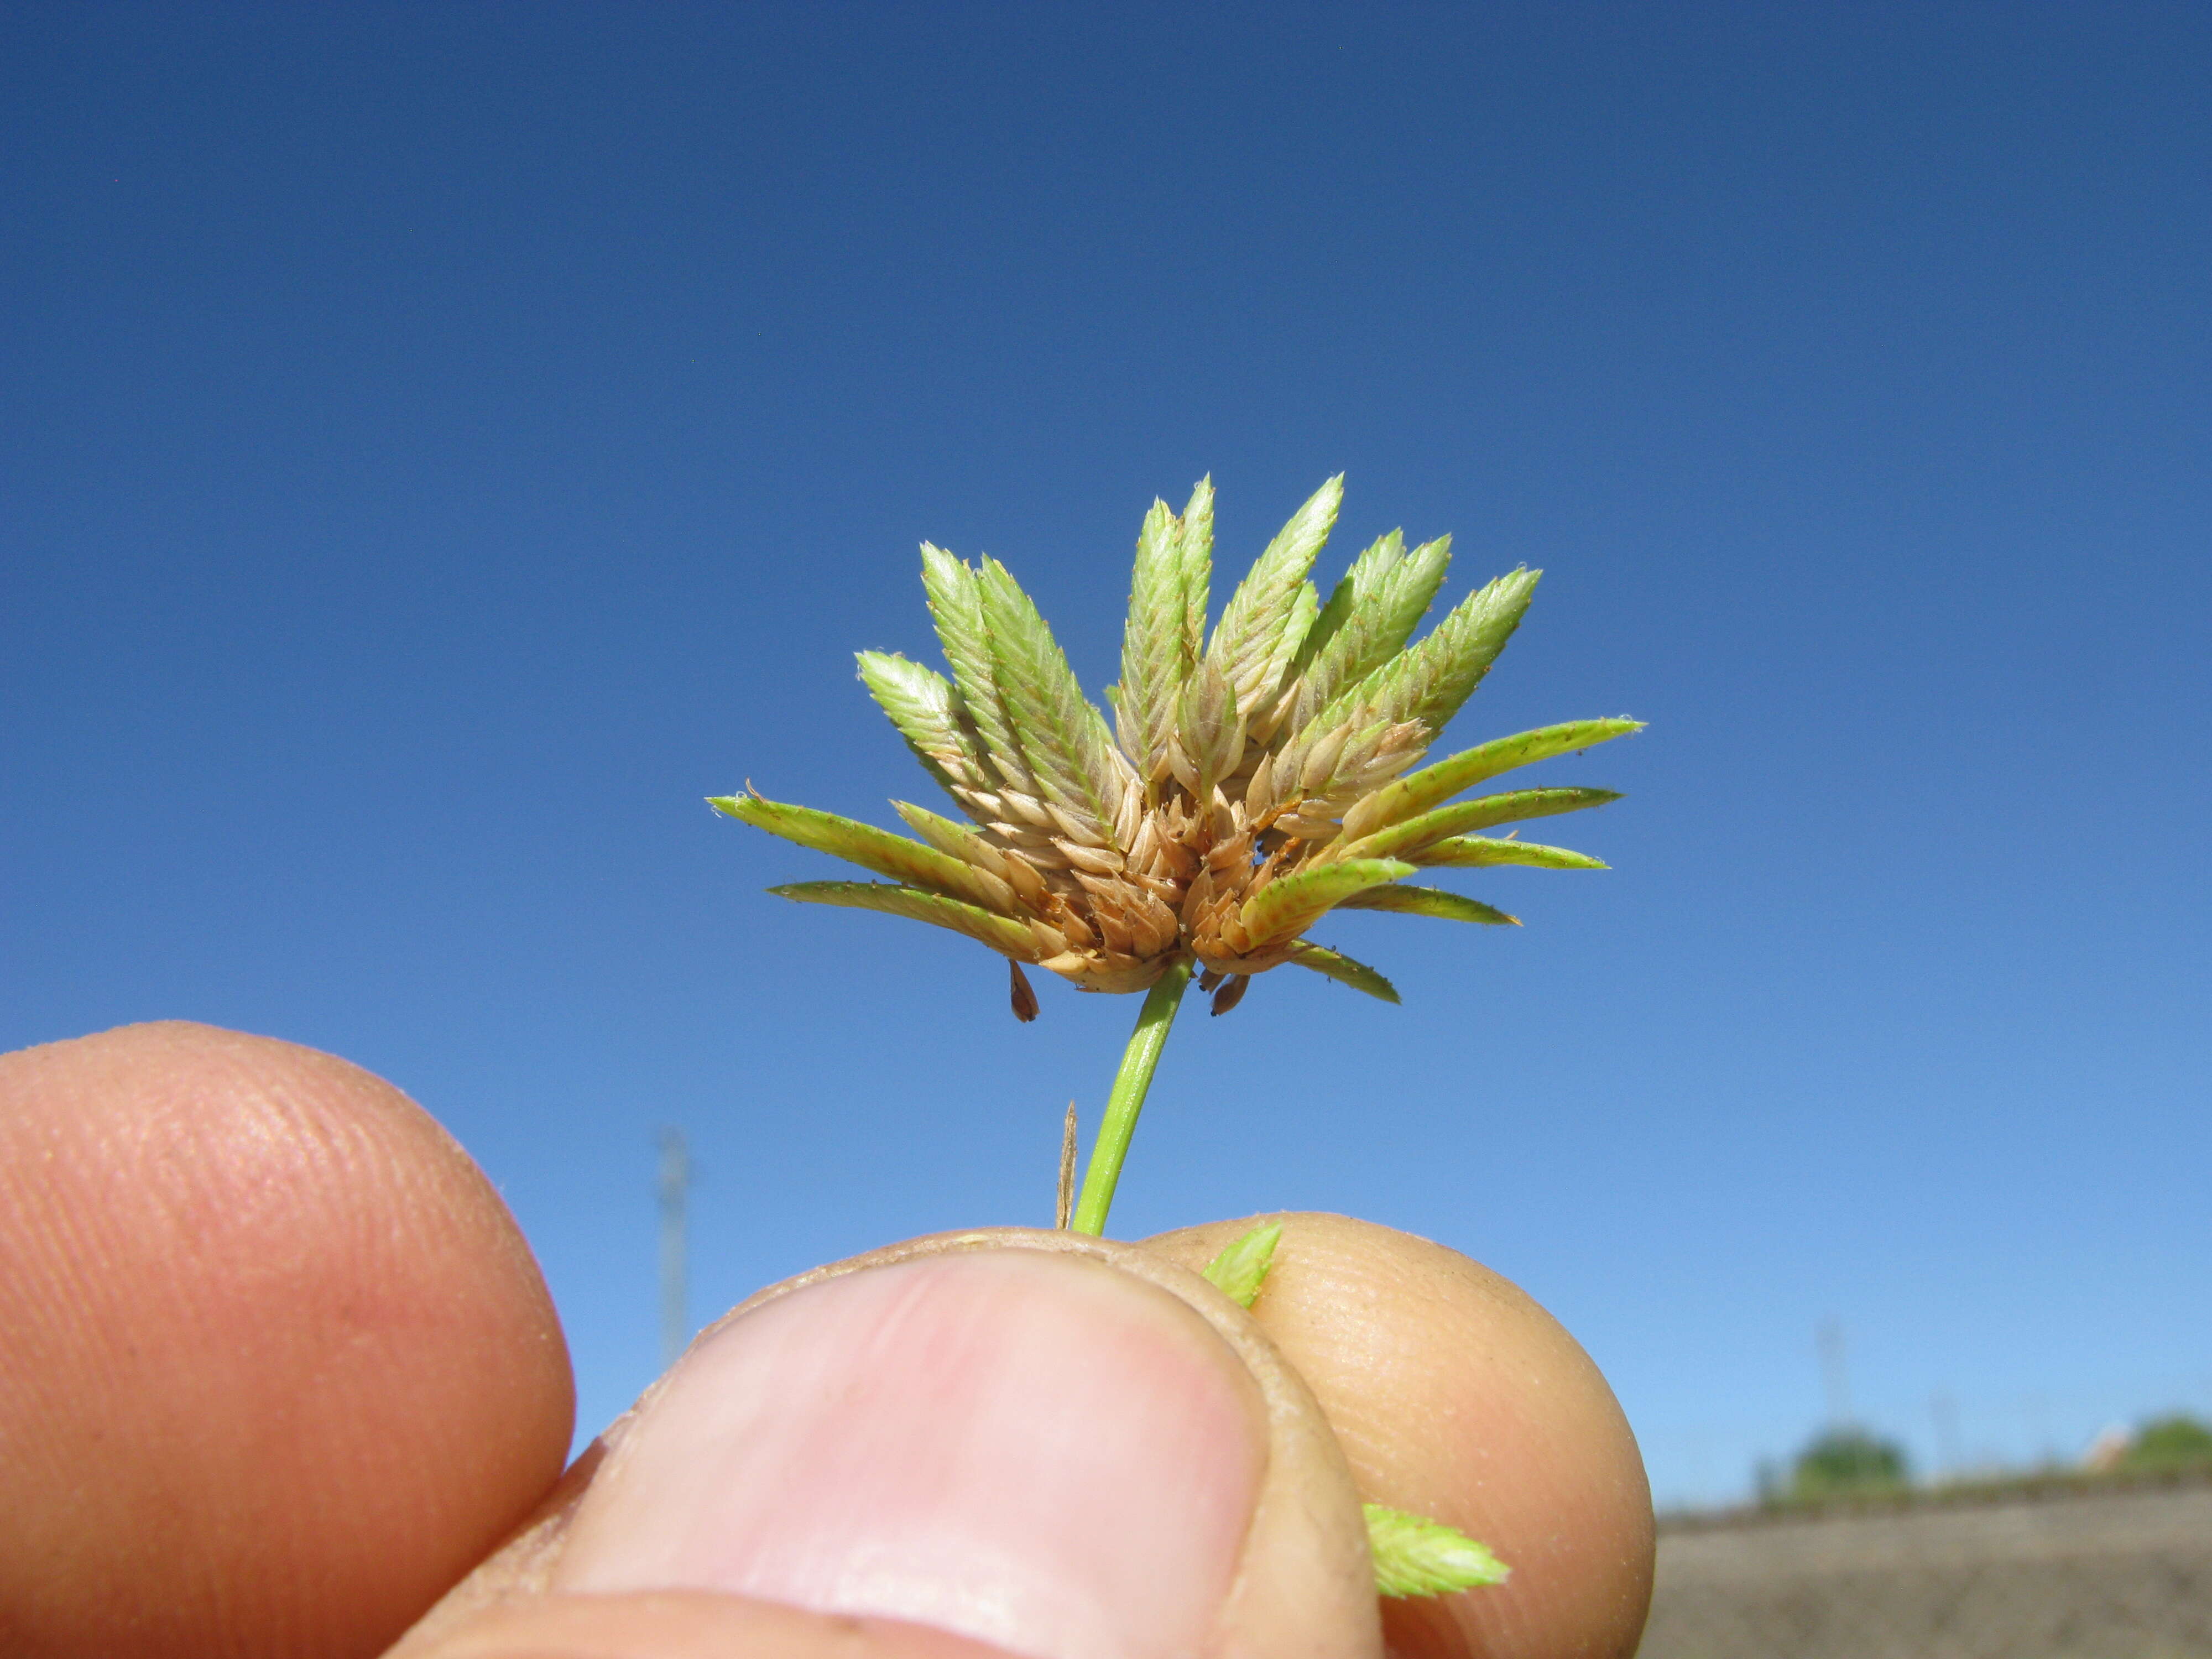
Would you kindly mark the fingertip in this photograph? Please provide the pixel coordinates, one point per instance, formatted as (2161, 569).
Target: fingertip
(687, 1624)
(281, 1366)
(1059, 1445)
(1456, 1395)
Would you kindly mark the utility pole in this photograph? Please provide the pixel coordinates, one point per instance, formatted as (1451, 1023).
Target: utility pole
(1835, 1376)
(675, 1185)
(1945, 1412)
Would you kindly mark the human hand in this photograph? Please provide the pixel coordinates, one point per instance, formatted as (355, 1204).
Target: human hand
(277, 1372)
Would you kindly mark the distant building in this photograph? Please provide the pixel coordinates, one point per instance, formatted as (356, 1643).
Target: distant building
(2109, 1449)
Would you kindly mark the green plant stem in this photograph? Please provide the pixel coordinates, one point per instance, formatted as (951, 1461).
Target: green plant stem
(1139, 1061)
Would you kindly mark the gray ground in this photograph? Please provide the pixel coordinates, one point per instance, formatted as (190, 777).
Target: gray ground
(2121, 1574)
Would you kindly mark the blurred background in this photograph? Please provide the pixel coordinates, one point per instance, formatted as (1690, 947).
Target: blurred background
(439, 445)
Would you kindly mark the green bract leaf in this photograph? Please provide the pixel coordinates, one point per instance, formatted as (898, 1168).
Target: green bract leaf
(1429, 901)
(1426, 788)
(1253, 643)
(1002, 934)
(1415, 1556)
(1334, 964)
(1416, 833)
(1289, 904)
(1239, 1271)
(1478, 852)
(875, 849)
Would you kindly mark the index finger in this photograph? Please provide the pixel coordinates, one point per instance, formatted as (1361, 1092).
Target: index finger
(276, 1365)
(1456, 1396)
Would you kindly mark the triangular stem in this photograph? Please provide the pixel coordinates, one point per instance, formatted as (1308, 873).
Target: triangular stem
(1139, 1061)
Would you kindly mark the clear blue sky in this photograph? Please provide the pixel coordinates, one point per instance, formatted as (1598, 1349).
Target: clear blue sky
(443, 443)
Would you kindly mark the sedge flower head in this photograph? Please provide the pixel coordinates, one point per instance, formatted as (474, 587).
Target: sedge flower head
(1251, 783)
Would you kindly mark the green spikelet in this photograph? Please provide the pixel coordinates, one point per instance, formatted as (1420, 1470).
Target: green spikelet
(1242, 1268)
(1061, 741)
(925, 709)
(1166, 624)
(1415, 1556)
(1370, 617)
(956, 604)
(1428, 682)
(1258, 636)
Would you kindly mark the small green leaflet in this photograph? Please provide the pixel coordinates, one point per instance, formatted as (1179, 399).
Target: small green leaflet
(1334, 964)
(1481, 813)
(1434, 785)
(1239, 1271)
(1430, 901)
(1286, 907)
(1415, 1556)
(1480, 852)
(887, 854)
(1006, 936)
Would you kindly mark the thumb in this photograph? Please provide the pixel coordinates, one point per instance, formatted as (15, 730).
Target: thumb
(1052, 1446)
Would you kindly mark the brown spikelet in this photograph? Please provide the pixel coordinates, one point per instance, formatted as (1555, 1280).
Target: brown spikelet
(1024, 994)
